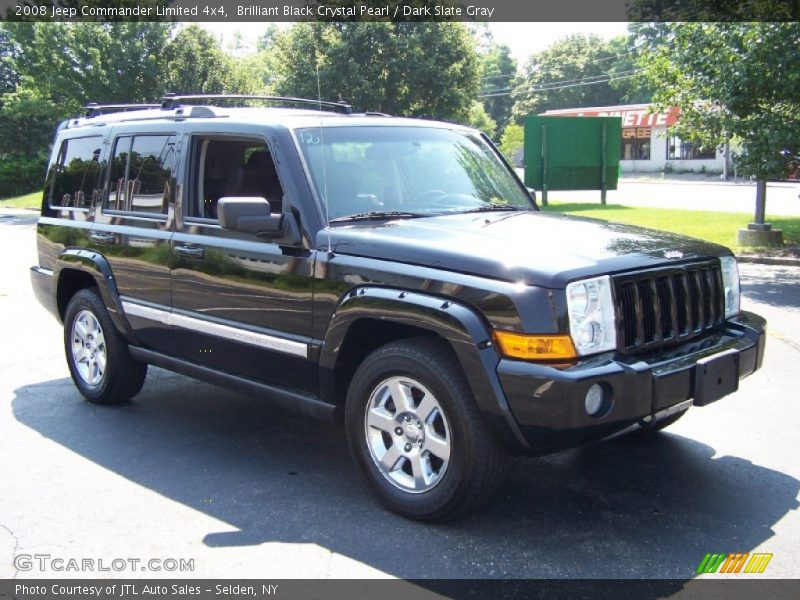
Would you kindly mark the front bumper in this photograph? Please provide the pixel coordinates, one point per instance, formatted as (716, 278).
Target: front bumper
(548, 402)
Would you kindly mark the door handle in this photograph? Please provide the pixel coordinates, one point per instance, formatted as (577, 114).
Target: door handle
(103, 239)
(190, 252)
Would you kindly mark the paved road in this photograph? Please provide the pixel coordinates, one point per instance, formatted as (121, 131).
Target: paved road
(783, 198)
(192, 471)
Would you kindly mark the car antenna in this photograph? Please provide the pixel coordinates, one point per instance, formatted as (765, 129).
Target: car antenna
(324, 169)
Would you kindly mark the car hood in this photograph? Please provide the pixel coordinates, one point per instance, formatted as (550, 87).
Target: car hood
(529, 247)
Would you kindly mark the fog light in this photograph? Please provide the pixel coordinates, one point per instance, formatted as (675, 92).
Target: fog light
(594, 400)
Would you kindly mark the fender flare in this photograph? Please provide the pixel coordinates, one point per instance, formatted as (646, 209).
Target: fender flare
(459, 325)
(95, 265)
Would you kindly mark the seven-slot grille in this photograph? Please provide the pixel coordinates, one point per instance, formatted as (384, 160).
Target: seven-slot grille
(670, 305)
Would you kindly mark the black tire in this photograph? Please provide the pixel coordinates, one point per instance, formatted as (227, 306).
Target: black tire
(650, 428)
(477, 462)
(122, 376)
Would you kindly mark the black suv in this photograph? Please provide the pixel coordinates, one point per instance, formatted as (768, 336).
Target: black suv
(390, 273)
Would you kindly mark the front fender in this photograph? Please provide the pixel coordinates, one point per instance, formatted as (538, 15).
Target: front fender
(95, 265)
(459, 325)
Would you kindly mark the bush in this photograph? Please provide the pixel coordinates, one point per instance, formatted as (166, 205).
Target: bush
(21, 174)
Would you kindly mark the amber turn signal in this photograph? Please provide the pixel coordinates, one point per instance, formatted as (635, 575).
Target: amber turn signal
(535, 347)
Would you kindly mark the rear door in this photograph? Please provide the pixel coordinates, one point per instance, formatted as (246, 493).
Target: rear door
(134, 225)
(242, 304)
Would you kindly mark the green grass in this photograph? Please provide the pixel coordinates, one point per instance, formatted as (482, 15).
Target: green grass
(32, 200)
(718, 227)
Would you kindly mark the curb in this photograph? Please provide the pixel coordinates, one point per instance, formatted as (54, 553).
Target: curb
(739, 183)
(785, 261)
(7, 211)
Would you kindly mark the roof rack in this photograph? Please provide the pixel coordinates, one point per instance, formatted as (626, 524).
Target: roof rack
(93, 109)
(170, 101)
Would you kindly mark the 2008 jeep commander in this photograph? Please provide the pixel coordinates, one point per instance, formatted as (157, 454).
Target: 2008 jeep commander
(388, 272)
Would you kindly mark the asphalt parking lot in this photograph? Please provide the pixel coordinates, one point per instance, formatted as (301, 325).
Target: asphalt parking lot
(192, 471)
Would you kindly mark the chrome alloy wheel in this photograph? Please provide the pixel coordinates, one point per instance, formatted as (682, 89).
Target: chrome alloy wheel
(407, 434)
(88, 348)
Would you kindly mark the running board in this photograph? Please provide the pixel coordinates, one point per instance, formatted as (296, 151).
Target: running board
(293, 401)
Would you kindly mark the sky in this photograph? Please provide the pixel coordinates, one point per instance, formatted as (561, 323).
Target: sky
(523, 38)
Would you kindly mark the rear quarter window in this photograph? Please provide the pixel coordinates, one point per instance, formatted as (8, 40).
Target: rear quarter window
(76, 176)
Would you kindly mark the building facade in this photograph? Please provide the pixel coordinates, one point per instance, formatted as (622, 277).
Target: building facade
(646, 145)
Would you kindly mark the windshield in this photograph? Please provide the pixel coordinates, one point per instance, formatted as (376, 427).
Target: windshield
(417, 171)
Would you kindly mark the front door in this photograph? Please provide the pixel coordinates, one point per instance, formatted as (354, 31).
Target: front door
(241, 304)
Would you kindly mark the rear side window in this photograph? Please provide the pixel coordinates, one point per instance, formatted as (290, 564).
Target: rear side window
(77, 174)
(142, 170)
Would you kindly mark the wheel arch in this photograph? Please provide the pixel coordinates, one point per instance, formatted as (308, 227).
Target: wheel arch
(369, 317)
(77, 269)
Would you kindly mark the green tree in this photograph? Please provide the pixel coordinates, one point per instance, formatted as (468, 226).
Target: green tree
(512, 141)
(498, 69)
(737, 80)
(26, 120)
(63, 66)
(194, 62)
(417, 69)
(9, 77)
(573, 72)
(480, 119)
(80, 62)
(263, 64)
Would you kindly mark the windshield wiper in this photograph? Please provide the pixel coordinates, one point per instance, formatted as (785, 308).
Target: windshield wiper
(491, 208)
(377, 215)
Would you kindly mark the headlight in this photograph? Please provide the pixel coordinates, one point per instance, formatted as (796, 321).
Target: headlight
(730, 283)
(591, 315)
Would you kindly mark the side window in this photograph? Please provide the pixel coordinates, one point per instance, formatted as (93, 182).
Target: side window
(231, 167)
(77, 173)
(142, 169)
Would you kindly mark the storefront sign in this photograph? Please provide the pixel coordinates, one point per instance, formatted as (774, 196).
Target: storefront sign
(638, 116)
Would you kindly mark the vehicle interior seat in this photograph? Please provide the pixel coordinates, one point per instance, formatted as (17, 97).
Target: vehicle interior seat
(259, 178)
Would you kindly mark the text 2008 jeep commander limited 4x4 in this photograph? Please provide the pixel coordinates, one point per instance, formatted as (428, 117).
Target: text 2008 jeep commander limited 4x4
(390, 273)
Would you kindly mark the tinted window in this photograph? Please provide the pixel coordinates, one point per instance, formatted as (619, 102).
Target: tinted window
(231, 167)
(418, 169)
(77, 173)
(142, 168)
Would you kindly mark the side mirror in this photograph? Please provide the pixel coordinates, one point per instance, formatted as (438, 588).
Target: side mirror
(249, 214)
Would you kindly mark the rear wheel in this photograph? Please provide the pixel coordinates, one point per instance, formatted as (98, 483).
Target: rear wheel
(417, 434)
(101, 366)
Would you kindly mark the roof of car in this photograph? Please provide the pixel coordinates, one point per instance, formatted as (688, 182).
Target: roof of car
(292, 118)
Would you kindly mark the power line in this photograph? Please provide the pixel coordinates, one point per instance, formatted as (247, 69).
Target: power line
(560, 81)
(563, 82)
(588, 62)
(561, 87)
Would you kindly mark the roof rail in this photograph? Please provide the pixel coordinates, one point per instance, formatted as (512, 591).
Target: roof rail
(170, 101)
(93, 109)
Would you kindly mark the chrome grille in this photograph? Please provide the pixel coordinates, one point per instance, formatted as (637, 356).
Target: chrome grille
(669, 305)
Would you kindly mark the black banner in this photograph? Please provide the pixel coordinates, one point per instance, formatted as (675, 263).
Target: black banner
(396, 589)
(400, 10)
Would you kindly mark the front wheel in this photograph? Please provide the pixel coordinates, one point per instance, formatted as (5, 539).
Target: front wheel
(101, 366)
(417, 434)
